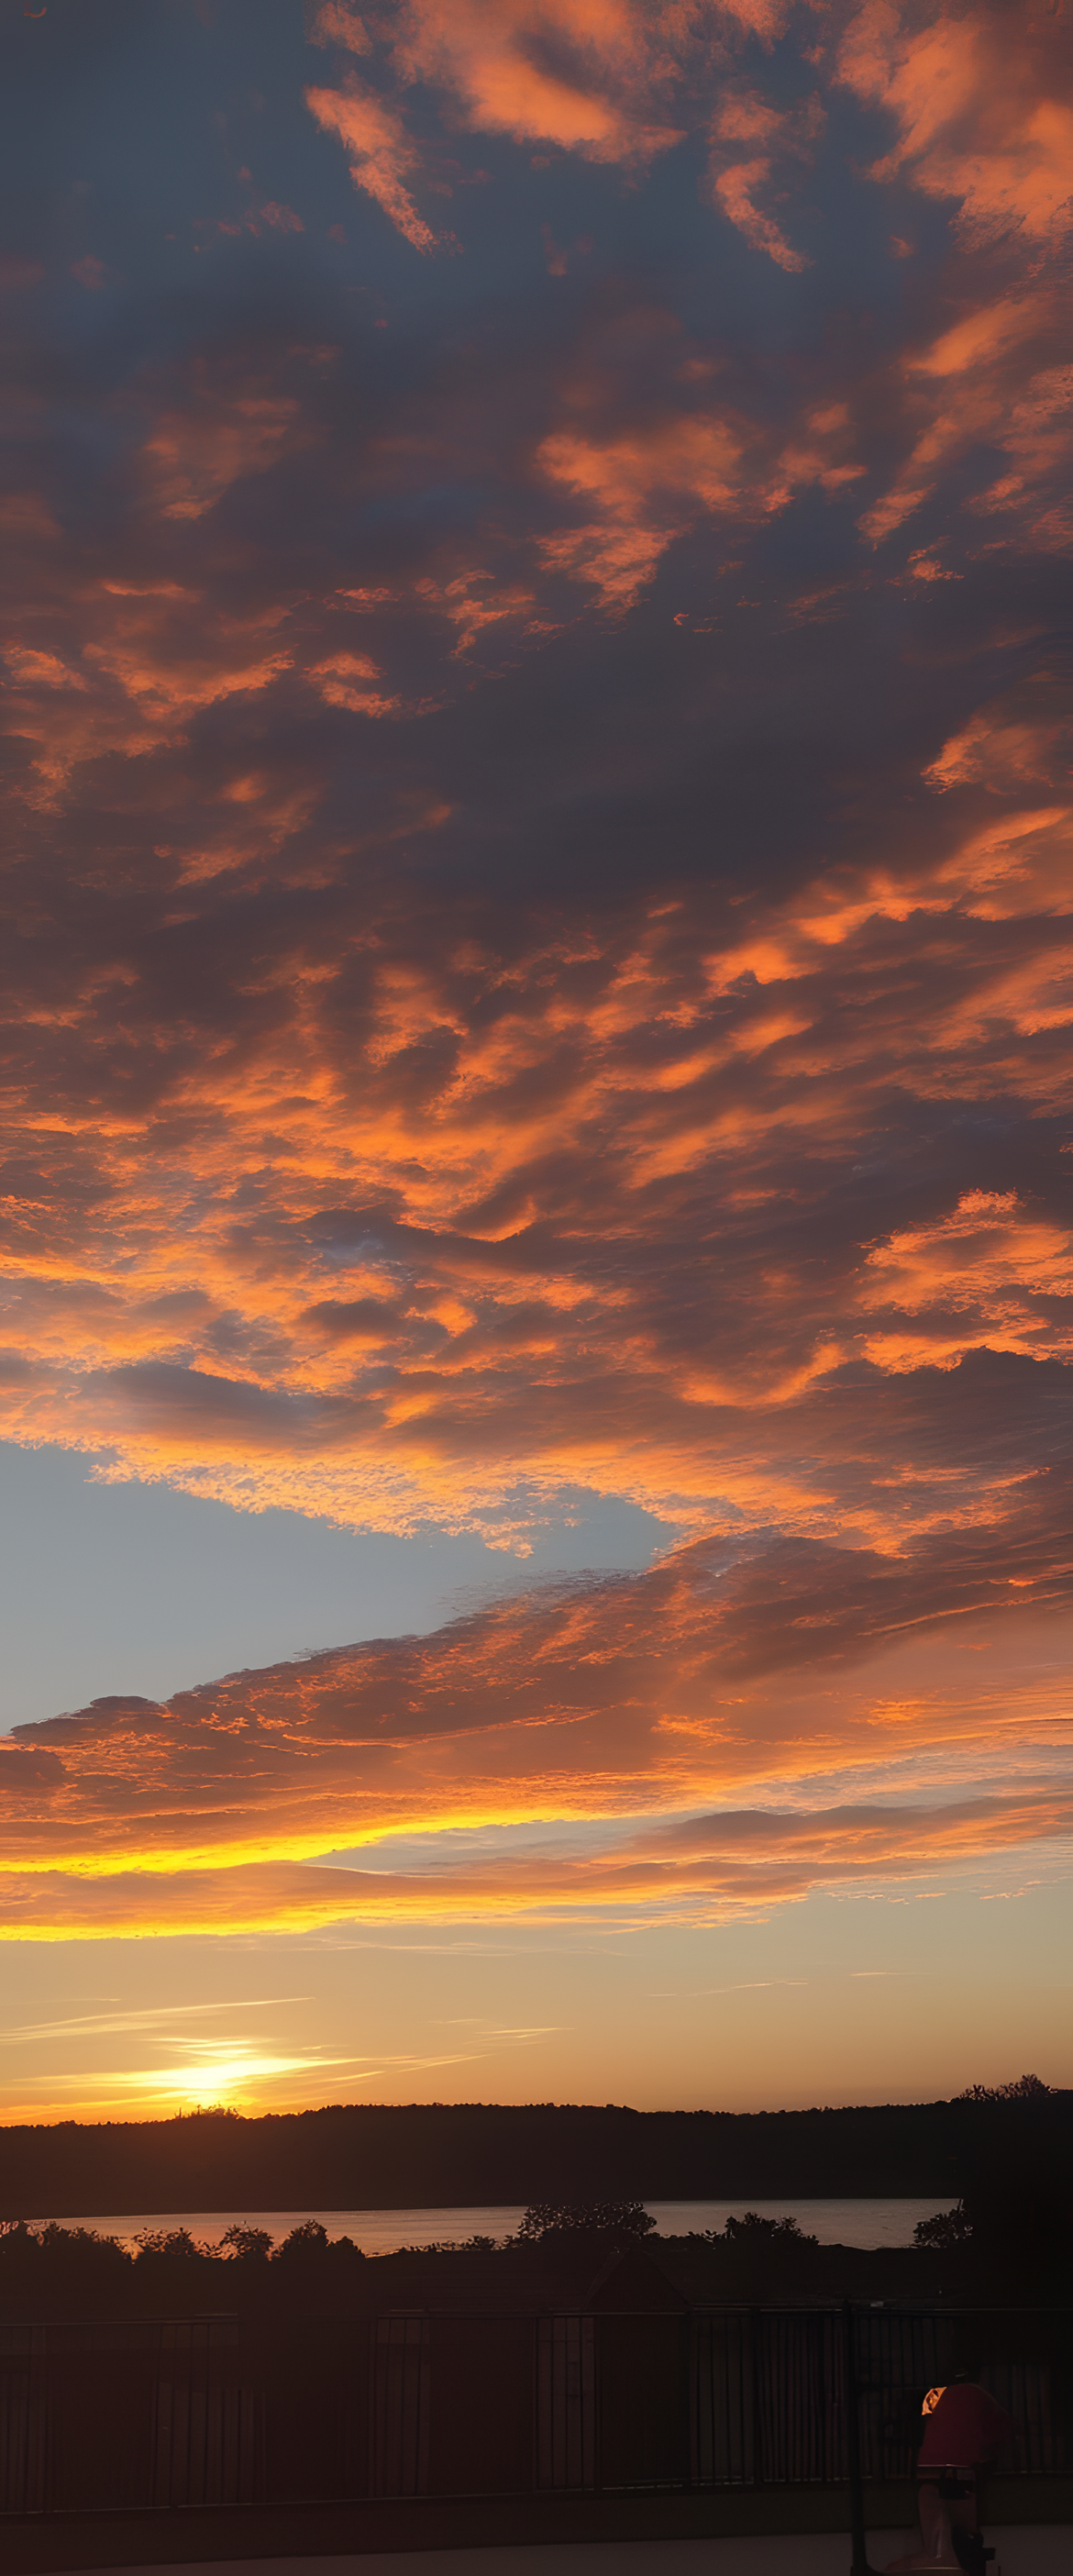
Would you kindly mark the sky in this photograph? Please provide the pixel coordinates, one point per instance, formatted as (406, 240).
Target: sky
(536, 1279)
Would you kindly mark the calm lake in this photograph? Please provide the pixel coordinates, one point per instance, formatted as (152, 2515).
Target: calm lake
(382, 2231)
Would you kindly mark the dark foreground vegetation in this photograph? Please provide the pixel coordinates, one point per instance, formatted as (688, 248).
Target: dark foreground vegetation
(52, 2272)
(1009, 2241)
(371, 2156)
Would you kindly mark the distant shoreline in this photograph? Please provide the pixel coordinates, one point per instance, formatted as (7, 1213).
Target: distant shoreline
(346, 2209)
(834, 2219)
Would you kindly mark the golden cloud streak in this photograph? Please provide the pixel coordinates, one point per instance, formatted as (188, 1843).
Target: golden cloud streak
(725, 1671)
(775, 1861)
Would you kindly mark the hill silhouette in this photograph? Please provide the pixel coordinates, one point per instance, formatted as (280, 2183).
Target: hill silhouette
(388, 2156)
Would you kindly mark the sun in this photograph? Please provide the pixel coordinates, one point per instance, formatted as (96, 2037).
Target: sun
(216, 2080)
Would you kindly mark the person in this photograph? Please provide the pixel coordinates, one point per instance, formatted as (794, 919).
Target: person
(963, 2426)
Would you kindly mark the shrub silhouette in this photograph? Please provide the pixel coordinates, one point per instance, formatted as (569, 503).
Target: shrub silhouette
(247, 2244)
(307, 2243)
(175, 2242)
(1022, 2088)
(586, 2217)
(948, 2228)
(753, 2229)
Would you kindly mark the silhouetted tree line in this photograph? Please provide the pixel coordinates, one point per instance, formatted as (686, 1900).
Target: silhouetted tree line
(55, 2271)
(1015, 2213)
(558, 2250)
(426, 2154)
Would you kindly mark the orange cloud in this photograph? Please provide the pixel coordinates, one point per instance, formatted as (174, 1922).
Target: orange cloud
(983, 120)
(540, 962)
(282, 218)
(1007, 1279)
(195, 455)
(580, 74)
(646, 490)
(601, 78)
(737, 190)
(381, 153)
(335, 22)
(988, 380)
(722, 1869)
(978, 109)
(151, 658)
(738, 178)
(806, 1677)
(395, 1207)
(421, 1318)
(649, 463)
(1005, 749)
(341, 682)
(40, 670)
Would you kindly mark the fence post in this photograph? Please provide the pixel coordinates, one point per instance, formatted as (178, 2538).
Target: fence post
(859, 2563)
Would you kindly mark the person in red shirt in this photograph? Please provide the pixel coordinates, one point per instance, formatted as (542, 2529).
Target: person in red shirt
(963, 2426)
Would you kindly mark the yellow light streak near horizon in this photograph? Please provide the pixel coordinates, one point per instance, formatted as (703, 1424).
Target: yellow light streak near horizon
(425, 1903)
(113, 1862)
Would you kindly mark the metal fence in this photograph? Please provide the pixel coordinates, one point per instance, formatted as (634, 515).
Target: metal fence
(168, 2414)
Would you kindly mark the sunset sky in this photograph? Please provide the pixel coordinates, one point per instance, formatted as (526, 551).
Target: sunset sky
(534, 1362)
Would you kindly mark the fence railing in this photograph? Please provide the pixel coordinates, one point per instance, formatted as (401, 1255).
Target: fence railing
(217, 2410)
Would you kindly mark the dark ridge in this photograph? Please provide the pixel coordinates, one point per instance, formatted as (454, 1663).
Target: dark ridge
(385, 2156)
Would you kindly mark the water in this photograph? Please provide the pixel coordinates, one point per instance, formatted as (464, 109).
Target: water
(382, 2231)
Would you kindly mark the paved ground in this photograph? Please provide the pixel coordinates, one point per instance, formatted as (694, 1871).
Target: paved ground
(1043, 2550)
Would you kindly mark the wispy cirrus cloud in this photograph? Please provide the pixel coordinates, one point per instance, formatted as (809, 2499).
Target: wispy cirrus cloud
(749, 135)
(380, 151)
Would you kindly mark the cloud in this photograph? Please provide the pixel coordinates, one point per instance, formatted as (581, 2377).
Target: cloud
(382, 155)
(736, 190)
(1005, 1280)
(747, 134)
(583, 75)
(689, 458)
(647, 489)
(282, 218)
(538, 869)
(515, 1340)
(196, 453)
(427, 1242)
(979, 112)
(342, 683)
(741, 1866)
(334, 22)
(606, 80)
(987, 381)
(144, 2019)
(983, 123)
(733, 1663)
